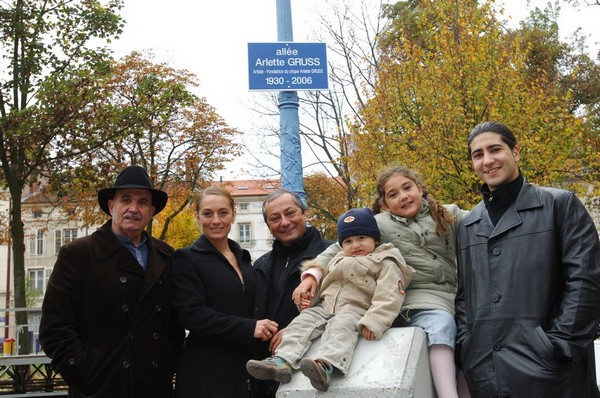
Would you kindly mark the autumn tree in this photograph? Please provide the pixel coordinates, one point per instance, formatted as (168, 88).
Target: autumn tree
(444, 67)
(176, 135)
(325, 197)
(569, 71)
(51, 99)
(183, 228)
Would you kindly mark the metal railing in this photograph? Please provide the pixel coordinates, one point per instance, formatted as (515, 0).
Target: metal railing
(31, 374)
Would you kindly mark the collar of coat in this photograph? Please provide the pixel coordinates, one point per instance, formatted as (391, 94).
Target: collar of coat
(203, 245)
(299, 245)
(381, 252)
(499, 200)
(107, 245)
(315, 244)
(529, 197)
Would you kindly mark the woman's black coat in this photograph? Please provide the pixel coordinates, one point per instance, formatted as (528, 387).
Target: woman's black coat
(216, 308)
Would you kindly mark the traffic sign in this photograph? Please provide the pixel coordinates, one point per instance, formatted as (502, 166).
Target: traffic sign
(287, 66)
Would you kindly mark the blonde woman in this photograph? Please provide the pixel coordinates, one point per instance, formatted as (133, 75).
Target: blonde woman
(214, 290)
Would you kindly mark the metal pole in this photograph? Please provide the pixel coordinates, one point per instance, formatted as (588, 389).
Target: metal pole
(289, 125)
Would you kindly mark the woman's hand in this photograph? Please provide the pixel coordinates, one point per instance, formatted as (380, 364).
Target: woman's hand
(265, 329)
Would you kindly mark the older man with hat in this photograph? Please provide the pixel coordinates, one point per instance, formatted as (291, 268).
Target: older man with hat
(107, 321)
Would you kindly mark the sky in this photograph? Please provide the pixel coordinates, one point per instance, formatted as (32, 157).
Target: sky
(210, 39)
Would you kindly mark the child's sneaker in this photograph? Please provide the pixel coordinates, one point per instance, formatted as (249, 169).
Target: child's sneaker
(318, 371)
(273, 368)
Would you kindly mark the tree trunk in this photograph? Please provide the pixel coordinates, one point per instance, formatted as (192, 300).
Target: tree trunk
(18, 249)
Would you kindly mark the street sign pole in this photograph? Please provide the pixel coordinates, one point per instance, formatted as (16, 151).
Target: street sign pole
(287, 66)
(289, 125)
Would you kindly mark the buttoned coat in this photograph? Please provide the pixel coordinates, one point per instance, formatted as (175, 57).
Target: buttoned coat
(528, 298)
(109, 326)
(215, 306)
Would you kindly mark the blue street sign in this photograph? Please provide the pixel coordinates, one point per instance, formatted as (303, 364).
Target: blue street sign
(287, 66)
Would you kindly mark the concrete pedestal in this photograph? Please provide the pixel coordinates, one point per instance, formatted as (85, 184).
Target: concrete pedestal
(395, 366)
(597, 358)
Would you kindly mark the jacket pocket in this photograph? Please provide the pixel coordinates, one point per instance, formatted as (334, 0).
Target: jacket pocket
(359, 275)
(537, 348)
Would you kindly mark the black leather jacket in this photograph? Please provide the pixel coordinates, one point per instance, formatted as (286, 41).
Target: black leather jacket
(528, 300)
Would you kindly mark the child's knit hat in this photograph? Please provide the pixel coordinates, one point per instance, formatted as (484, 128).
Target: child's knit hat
(357, 222)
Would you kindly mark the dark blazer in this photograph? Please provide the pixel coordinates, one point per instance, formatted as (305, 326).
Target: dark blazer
(216, 307)
(108, 325)
(306, 248)
(528, 298)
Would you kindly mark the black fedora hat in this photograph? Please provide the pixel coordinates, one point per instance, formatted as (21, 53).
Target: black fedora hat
(133, 177)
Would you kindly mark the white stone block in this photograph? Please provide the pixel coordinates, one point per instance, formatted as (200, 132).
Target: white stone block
(597, 358)
(395, 366)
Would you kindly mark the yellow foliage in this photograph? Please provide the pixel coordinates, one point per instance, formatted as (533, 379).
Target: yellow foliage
(326, 198)
(183, 229)
(450, 69)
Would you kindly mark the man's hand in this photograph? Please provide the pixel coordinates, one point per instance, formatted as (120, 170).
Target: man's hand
(275, 341)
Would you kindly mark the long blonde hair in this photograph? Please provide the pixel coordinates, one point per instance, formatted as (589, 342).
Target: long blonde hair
(442, 217)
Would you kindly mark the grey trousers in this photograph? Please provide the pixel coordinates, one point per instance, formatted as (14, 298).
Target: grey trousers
(338, 341)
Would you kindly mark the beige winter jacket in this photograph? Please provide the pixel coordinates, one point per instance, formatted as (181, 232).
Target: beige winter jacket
(373, 285)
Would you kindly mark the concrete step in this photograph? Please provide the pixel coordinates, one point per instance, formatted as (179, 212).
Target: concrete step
(395, 366)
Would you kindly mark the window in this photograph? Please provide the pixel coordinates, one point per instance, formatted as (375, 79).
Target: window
(62, 237)
(37, 281)
(37, 278)
(243, 206)
(244, 235)
(36, 244)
